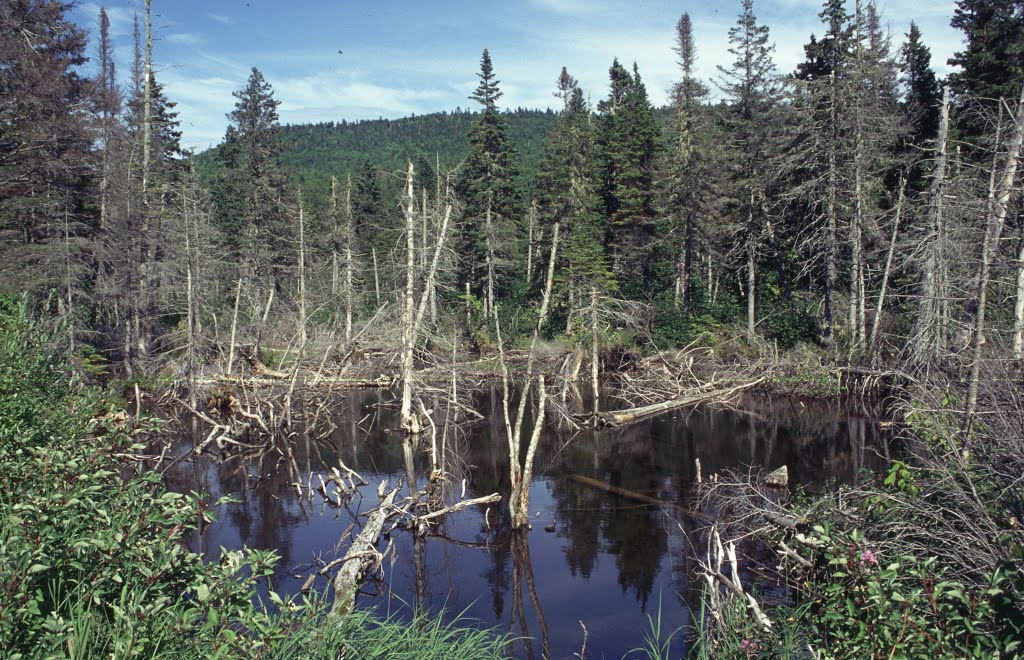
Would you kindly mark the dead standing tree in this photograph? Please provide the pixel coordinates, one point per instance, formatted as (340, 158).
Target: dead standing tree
(521, 470)
(1000, 191)
(413, 313)
(931, 336)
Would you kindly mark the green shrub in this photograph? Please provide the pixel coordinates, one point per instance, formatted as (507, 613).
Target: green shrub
(93, 563)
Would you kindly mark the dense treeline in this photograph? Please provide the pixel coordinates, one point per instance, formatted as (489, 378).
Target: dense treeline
(816, 206)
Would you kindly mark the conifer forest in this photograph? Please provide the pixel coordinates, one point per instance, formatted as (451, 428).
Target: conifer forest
(735, 376)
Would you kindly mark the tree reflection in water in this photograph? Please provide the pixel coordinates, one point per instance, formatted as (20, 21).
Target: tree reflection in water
(609, 559)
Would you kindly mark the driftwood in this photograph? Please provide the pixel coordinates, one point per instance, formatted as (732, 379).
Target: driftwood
(633, 495)
(487, 499)
(382, 381)
(633, 415)
(362, 556)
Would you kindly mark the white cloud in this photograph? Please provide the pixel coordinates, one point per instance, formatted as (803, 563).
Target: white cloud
(220, 18)
(184, 38)
(569, 7)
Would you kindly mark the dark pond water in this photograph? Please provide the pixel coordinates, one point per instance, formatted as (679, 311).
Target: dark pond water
(609, 562)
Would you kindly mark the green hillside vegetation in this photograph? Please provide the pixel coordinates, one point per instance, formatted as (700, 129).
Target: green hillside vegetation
(312, 153)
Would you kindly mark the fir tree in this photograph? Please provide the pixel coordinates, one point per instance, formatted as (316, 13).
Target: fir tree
(44, 141)
(251, 193)
(488, 192)
(628, 144)
(922, 96)
(686, 176)
(751, 88)
(832, 53)
(992, 63)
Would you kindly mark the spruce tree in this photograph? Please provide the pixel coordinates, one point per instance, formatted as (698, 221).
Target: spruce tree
(628, 144)
(251, 193)
(686, 177)
(922, 97)
(487, 187)
(992, 62)
(751, 89)
(568, 195)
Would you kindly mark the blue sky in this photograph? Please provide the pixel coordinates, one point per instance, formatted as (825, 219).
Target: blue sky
(405, 57)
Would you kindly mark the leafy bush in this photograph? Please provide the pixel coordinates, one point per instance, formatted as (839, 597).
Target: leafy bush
(94, 563)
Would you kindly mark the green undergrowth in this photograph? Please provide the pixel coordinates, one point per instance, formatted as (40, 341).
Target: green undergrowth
(93, 559)
(923, 561)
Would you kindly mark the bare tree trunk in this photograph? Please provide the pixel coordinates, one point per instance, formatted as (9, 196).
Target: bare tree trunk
(189, 218)
(856, 331)
(931, 332)
(856, 236)
(408, 421)
(376, 275)
(521, 474)
(489, 300)
(412, 315)
(532, 218)
(1018, 310)
(348, 259)
(879, 305)
(234, 324)
(751, 280)
(70, 276)
(423, 230)
(595, 364)
(833, 209)
(302, 277)
(687, 273)
(520, 499)
(999, 202)
(142, 317)
(263, 322)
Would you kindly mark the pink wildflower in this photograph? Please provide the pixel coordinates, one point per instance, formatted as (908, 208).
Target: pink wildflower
(868, 558)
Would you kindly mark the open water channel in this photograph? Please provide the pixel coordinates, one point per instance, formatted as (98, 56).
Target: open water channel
(592, 557)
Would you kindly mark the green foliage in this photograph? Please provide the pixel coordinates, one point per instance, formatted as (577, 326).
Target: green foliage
(991, 65)
(865, 605)
(628, 144)
(362, 634)
(787, 322)
(487, 187)
(93, 563)
(673, 326)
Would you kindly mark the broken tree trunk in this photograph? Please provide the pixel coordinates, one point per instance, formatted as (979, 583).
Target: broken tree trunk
(632, 415)
(361, 557)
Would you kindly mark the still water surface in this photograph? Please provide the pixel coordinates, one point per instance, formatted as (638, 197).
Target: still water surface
(592, 556)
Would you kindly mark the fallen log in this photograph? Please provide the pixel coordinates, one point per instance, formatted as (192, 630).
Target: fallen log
(383, 381)
(633, 495)
(633, 415)
(487, 499)
(362, 556)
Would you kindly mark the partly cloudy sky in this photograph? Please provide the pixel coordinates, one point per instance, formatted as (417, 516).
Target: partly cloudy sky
(329, 60)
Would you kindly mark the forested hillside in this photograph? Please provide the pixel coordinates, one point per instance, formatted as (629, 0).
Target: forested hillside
(313, 151)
